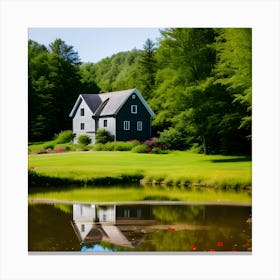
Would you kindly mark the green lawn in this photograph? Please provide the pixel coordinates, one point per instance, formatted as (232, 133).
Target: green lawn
(173, 168)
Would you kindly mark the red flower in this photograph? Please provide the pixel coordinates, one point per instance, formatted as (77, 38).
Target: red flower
(148, 149)
(60, 150)
(193, 247)
(247, 244)
(212, 250)
(220, 243)
(171, 229)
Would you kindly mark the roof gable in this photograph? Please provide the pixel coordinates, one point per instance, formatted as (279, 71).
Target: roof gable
(92, 101)
(108, 104)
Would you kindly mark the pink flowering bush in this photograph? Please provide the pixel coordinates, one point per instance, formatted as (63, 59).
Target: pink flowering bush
(60, 150)
(153, 145)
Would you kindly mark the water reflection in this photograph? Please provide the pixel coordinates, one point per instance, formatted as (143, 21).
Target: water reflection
(116, 224)
(110, 228)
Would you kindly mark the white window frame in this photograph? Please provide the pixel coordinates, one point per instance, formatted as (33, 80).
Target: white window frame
(139, 126)
(82, 126)
(126, 125)
(133, 109)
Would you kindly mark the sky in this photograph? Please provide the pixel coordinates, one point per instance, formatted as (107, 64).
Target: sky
(94, 44)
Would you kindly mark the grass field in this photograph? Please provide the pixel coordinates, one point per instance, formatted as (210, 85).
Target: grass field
(173, 168)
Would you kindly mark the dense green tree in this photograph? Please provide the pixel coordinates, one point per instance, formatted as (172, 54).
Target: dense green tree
(118, 72)
(148, 68)
(54, 84)
(234, 68)
(88, 79)
(199, 99)
(66, 52)
(39, 92)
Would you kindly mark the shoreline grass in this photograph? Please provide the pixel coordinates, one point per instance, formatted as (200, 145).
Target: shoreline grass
(174, 169)
(141, 193)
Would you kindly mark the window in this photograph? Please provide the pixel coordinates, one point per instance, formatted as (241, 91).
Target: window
(82, 227)
(126, 125)
(133, 96)
(139, 126)
(126, 213)
(134, 109)
(82, 111)
(139, 213)
(105, 123)
(82, 126)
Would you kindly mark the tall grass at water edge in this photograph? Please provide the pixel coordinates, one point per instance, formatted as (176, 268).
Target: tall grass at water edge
(140, 193)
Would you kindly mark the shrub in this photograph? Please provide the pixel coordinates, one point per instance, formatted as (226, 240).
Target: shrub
(109, 146)
(59, 150)
(84, 140)
(103, 136)
(156, 146)
(140, 149)
(68, 148)
(120, 146)
(173, 138)
(98, 147)
(49, 146)
(116, 146)
(196, 148)
(41, 151)
(158, 150)
(64, 137)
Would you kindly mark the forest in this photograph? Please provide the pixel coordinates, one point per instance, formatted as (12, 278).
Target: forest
(198, 81)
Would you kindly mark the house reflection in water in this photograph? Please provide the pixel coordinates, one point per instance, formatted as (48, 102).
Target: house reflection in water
(122, 225)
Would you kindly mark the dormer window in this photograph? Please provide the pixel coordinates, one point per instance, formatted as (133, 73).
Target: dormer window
(133, 96)
(134, 109)
(82, 112)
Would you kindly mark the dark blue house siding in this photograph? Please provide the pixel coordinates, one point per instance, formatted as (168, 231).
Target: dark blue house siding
(125, 115)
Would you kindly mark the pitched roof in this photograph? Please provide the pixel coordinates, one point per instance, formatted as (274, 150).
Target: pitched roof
(92, 100)
(107, 104)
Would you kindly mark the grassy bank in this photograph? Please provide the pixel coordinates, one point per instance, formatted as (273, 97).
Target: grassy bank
(175, 168)
(140, 193)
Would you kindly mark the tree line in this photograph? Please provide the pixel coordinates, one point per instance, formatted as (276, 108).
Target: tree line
(198, 81)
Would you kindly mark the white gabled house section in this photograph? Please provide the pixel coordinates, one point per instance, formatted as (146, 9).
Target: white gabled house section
(111, 125)
(82, 124)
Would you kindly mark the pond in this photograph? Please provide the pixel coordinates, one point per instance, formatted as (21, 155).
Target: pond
(139, 227)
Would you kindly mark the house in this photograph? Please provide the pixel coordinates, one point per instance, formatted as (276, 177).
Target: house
(125, 114)
(122, 225)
